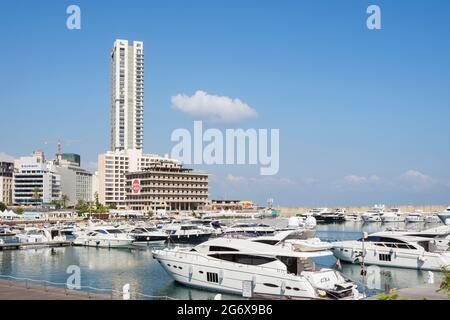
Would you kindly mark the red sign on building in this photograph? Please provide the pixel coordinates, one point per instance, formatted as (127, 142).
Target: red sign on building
(136, 186)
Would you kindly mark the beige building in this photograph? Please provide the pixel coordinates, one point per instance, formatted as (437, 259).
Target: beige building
(112, 167)
(6, 173)
(165, 184)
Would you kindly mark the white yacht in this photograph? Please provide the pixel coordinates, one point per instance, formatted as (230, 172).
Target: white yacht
(373, 214)
(38, 235)
(230, 265)
(186, 233)
(248, 230)
(394, 249)
(353, 217)
(104, 237)
(393, 215)
(145, 235)
(433, 218)
(415, 216)
(445, 216)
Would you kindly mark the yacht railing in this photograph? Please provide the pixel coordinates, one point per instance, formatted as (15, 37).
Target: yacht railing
(49, 287)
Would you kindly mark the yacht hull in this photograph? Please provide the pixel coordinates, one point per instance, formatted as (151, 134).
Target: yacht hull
(217, 276)
(389, 258)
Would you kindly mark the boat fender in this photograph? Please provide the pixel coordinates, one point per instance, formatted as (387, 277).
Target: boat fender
(220, 275)
(422, 258)
(191, 271)
(283, 287)
(253, 281)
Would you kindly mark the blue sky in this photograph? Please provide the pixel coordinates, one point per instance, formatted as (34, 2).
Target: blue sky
(363, 114)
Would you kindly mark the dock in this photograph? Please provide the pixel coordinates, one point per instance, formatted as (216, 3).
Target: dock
(18, 290)
(30, 245)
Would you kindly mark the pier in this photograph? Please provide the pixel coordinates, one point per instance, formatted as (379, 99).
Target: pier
(18, 290)
(26, 245)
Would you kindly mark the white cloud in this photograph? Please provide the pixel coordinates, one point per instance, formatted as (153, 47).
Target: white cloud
(354, 179)
(212, 107)
(416, 181)
(271, 180)
(6, 157)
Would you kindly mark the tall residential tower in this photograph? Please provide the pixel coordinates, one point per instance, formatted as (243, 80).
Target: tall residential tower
(127, 95)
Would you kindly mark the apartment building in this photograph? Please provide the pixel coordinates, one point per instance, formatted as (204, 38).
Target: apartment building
(127, 95)
(6, 173)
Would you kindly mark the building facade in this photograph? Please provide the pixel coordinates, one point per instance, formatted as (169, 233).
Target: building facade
(76, 182)
(112, 167)
(6, 174)
(35, 181)
(165, 184)
(127, 95)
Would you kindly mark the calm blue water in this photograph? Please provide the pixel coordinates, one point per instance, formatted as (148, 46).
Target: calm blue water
(112, 268)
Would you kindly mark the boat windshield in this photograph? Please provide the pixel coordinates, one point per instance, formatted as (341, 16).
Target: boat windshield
(113, 231)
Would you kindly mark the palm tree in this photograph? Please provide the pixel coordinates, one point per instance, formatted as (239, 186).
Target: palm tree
(36, 193)
(64, 199)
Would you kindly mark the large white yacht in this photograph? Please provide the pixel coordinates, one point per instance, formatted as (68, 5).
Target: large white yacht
(445, 216)
(416, 216)
(394, 249)
(248, 230)
(393, 215)
(103, 236)
(230, 265)
(373, 214)
(39, 235)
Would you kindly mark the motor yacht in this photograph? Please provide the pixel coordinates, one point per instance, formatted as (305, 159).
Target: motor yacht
(445, 216)
(415, 216)
(353, 217)
(373, 214)
(39, 235)
(433, 218)
(393, 215)
(248, 230)
(144, 236)
(336, 216)
(186, 233)
(393, 249)
(104, 237)
(240, 266)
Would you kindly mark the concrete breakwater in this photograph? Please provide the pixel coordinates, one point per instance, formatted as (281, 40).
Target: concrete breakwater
(405, 209)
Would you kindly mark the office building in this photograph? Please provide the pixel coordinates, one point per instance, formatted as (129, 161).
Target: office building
(167, 185)
(35, 181)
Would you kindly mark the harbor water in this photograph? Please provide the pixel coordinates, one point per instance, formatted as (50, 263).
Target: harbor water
(108, 269)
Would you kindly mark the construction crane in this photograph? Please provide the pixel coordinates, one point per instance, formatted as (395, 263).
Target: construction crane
(59, 144)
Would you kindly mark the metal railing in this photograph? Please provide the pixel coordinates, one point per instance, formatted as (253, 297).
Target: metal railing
(81, 291)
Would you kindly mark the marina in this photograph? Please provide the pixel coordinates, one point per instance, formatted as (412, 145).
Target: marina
(121, 252)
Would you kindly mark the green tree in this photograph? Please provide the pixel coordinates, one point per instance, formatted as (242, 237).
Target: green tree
(36, 193)
(113, 206)
(64, 200)
(19, 210)
(445, 284)
(3, 206)
(57, 204)
(97, 203)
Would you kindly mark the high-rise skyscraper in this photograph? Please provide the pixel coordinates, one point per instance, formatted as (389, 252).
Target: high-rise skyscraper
(127, 95)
